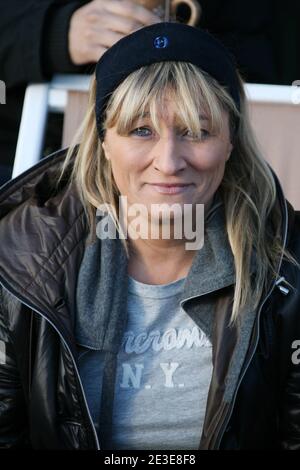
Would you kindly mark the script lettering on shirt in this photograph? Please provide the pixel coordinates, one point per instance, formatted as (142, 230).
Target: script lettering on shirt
(166, 341)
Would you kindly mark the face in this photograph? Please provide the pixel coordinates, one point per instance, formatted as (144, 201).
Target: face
(143, 160)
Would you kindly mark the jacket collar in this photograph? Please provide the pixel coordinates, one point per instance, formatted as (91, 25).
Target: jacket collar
(213, 265)
(42, 230)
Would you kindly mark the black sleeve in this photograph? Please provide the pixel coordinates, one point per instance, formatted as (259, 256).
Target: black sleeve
(14, 432)
(290, 408)
(55, 48)
(34, 39)
(245, 28)
(289, 412)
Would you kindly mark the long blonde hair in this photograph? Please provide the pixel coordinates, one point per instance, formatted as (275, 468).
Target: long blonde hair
(248, 186)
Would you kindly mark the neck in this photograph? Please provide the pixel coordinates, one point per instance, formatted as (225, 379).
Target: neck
(160, 260)
(158, 263)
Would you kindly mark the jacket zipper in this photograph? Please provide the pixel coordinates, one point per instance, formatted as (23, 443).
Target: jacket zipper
(71, 355)
(223, 425)
(279, 282)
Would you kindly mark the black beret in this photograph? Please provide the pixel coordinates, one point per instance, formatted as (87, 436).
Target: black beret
(161, 42)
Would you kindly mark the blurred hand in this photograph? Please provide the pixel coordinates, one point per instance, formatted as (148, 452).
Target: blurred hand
(98, 25)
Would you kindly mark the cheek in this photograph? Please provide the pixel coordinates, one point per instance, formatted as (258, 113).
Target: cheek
(125, 168)
(211, 159)
(126, 156)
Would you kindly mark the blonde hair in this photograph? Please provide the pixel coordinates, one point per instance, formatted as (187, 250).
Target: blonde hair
(248, 186)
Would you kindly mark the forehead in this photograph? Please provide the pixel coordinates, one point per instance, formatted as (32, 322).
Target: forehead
(167, 114)
(169, 107)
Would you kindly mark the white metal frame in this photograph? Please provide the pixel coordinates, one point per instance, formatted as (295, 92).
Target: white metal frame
(40, 99)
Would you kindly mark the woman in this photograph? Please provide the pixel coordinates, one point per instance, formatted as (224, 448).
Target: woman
(143, 342)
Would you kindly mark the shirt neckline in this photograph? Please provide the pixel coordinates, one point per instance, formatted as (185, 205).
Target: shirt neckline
(155, 291)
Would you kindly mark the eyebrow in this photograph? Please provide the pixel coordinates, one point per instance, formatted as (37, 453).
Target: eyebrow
(147, 114)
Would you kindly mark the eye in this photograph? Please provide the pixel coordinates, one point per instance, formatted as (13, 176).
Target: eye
(141, 132)
(202, 136)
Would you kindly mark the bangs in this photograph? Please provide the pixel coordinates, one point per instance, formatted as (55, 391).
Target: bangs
(195, 94)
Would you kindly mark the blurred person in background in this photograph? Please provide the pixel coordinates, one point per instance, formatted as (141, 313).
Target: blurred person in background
(39, 38)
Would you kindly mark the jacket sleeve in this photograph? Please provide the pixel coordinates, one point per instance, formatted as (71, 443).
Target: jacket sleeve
(34, 40)
(290, 413)
(290, 343)
(13, 419)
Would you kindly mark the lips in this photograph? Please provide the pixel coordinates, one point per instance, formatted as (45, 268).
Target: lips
(170, 188)
(171, 185)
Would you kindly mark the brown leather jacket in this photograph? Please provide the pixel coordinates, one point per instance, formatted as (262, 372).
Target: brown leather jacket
(254, 396)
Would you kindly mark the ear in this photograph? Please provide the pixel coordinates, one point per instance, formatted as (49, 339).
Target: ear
(106, 153)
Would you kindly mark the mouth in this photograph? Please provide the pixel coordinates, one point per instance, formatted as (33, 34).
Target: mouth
(169, 188)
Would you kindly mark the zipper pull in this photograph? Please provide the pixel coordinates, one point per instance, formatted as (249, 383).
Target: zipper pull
(283, 290)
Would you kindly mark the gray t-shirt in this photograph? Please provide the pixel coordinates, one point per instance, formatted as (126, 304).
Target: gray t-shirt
(164, 368)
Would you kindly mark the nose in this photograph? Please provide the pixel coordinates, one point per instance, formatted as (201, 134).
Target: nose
(167, 155)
